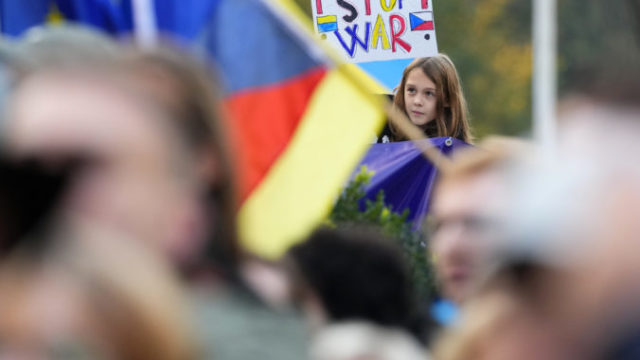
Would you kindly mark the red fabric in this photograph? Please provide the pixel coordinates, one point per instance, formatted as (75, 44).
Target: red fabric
(275, 111)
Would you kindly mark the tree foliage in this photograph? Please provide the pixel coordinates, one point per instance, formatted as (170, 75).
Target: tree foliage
(598, 40)
(490, 42)
(377, 214)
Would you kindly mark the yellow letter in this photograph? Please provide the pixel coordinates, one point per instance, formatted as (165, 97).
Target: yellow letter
(380, 31)
(383, 3)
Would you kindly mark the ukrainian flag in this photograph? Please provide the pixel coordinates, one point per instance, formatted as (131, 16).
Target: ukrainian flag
(327, 23)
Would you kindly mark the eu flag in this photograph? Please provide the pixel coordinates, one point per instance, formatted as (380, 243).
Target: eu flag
(179, 19)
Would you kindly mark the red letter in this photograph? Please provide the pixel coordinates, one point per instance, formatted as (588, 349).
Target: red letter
(395, 36)
(367, 7)
(425, 4)
(319, 6)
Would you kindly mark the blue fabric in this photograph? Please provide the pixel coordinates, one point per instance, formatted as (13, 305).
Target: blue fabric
(252, 48)
(404, 174)
(113, 17)
(18, 15)
(183, 19)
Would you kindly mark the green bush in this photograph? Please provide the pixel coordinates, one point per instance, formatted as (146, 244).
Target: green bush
(346, 213)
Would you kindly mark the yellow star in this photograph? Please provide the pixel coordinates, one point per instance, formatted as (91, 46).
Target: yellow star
(54, 17)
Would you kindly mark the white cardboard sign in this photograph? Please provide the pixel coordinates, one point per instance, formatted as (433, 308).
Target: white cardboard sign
(372, 30)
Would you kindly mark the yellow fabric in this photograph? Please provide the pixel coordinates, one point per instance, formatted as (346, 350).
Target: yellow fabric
(300, 189)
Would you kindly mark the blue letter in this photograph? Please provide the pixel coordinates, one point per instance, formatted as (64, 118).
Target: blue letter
(355, 39)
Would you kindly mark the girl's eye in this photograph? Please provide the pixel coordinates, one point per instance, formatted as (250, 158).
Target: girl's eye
(430, 93)
(411, 90)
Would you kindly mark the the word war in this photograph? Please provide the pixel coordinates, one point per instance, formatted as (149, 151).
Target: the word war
(370, 30)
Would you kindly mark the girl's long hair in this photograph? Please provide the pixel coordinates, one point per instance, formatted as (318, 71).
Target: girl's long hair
(452, 115)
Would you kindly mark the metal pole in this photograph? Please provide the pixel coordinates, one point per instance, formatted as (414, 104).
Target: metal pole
(544, 72)
(144, 21)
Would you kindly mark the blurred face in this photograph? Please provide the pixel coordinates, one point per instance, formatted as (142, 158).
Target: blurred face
(525, 337)
(44, 318)
(420, 98)
(461, 233)
(131, 184)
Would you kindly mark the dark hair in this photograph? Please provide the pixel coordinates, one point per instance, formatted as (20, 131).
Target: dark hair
(358, 275)
(30, 192)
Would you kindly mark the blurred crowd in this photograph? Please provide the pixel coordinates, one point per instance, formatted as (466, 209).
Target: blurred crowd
(118, 234)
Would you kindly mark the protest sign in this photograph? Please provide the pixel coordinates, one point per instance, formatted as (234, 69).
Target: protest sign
(373, 30)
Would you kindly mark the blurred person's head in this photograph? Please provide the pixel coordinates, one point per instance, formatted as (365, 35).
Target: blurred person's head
(583, 202)
(342, 275)
(512, 316)
(430, 95)
(576, 214)
(149, 121)
(465, 213)
(185, 91)
(109, 302)
(63, 45)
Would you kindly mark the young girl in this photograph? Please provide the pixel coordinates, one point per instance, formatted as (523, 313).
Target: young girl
(431, 97)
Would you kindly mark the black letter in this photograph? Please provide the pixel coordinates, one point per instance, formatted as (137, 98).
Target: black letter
(351, 8)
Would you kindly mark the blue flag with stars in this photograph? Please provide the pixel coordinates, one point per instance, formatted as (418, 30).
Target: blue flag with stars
(182, 19)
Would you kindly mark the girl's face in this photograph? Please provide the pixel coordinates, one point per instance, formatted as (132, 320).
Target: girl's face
(420, 98)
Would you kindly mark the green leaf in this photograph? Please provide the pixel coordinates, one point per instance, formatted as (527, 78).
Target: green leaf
(377, 214)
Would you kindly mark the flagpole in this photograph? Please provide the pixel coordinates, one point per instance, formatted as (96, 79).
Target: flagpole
(145, 30)
(544, 73)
